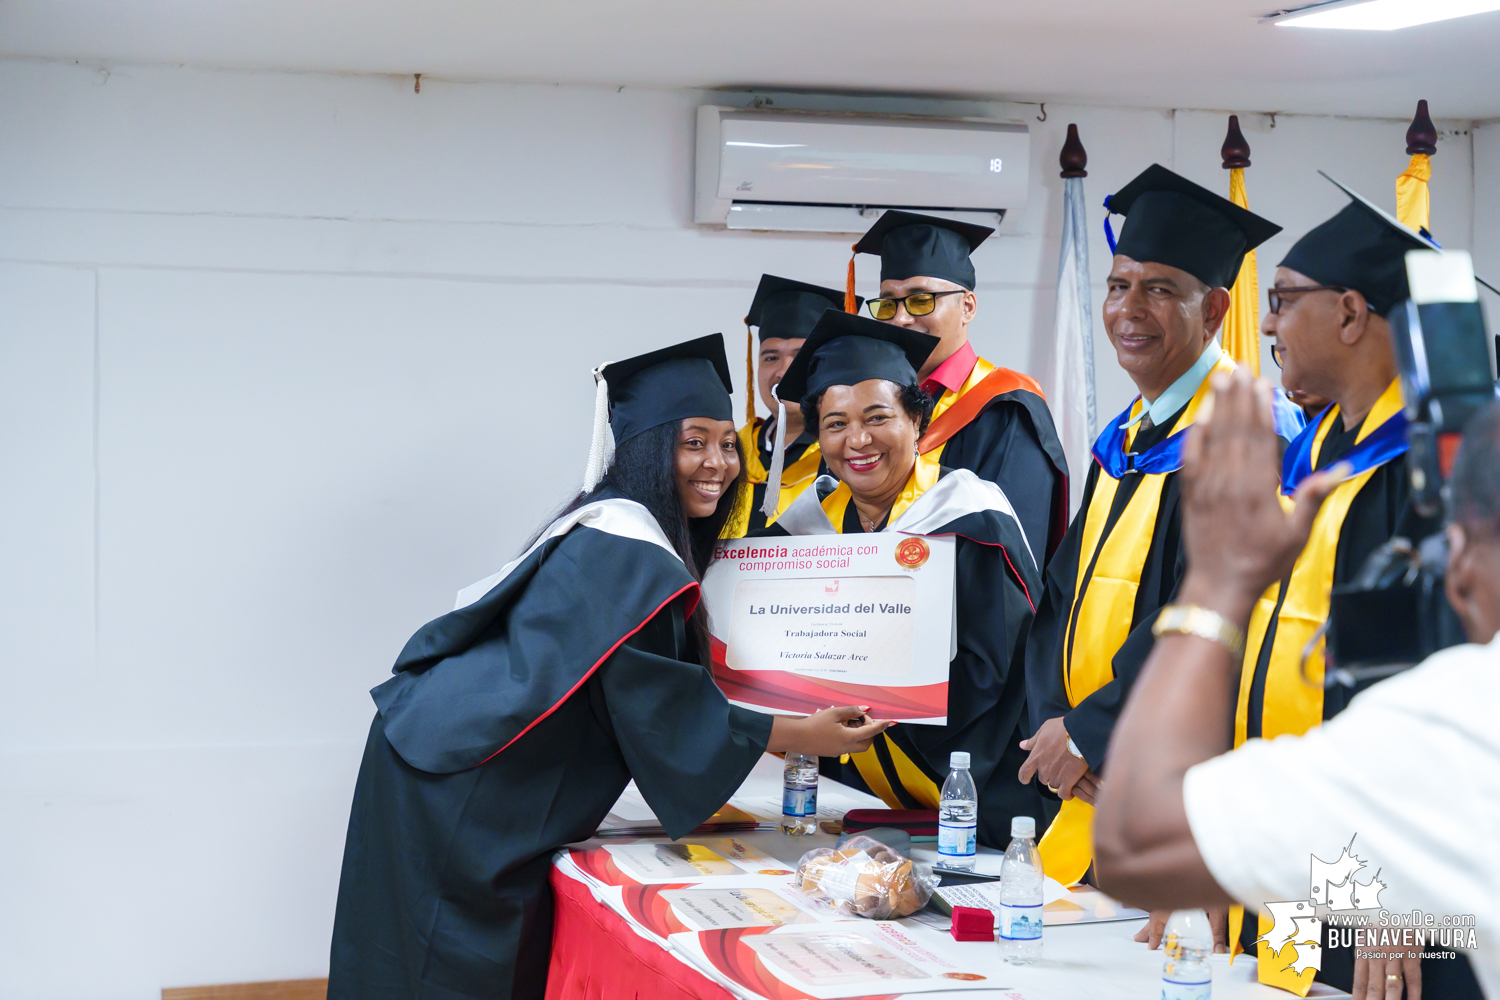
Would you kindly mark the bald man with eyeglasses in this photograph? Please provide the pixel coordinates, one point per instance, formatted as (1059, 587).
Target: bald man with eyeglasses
(990, 420)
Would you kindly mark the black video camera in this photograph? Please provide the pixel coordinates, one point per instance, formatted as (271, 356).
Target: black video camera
(1395, 613)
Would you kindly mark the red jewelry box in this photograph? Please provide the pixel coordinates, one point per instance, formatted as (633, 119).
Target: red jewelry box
(916, 822)
(972, 924)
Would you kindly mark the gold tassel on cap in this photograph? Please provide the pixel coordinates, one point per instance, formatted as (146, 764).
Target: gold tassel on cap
(850, 302)
(749, 375)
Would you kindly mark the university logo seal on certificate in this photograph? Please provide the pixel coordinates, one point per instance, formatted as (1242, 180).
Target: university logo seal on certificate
(912, 553)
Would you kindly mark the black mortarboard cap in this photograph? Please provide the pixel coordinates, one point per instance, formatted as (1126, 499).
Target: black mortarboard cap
(911, 244)
(1361, 248)
(788, 309)
(847, 349)
(1170, 220)
(685, 380)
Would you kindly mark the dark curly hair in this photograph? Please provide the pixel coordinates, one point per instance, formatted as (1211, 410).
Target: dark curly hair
(644, 469)
(916, 403)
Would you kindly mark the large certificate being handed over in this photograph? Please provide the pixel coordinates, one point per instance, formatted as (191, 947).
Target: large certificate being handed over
(807, 621)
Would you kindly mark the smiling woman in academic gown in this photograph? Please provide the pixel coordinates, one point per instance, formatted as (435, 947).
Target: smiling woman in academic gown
(513, 723)
(857, 382)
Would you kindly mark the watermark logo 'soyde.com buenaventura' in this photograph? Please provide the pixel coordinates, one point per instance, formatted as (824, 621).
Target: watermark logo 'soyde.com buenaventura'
(1353, 912)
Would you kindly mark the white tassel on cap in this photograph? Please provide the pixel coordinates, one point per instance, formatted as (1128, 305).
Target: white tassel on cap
(778, 460)
(602, 446)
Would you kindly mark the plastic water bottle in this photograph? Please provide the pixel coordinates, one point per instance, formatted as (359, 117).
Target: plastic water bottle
(799, 795)
(1187, 942)
(958, 815)
(1021, 895)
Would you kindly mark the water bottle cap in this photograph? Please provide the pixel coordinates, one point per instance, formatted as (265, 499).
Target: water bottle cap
(1022, 826)
(958, 758)
(1191, 929)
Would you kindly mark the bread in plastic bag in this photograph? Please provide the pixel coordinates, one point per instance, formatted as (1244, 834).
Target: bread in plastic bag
(865, 878)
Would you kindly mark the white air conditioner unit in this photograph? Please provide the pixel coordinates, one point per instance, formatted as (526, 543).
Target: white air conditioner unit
(836, 173)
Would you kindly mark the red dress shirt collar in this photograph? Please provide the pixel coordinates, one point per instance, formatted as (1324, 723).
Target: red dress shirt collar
(952, 373)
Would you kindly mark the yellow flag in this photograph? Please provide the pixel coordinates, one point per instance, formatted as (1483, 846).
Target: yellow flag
(1240, 336)
(1412, 206)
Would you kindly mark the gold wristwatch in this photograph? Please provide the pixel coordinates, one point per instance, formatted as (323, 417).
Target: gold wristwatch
(1190, 619)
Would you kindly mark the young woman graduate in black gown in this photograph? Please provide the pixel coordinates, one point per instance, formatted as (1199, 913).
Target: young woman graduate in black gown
(513, 723)
(856, 380)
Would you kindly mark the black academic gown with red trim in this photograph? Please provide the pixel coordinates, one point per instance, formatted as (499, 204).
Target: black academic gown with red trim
(509, 730)
(995, 583)
(1013, 443)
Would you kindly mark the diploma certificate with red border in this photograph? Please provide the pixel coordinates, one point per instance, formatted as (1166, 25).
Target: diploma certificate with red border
(806, 621)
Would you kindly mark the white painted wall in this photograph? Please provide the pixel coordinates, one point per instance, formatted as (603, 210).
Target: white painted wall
(286, 360)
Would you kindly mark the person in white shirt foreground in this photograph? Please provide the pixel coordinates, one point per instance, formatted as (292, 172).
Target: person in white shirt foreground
(1186, 824)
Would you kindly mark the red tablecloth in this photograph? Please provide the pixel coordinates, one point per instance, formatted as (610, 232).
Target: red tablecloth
(596, 956)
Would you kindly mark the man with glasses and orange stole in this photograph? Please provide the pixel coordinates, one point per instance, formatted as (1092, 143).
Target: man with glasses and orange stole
(783, 311)
(1177, 256)
(1328, 305)
(989, 420)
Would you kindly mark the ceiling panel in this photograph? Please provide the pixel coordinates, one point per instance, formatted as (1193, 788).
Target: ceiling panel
(1163, 53)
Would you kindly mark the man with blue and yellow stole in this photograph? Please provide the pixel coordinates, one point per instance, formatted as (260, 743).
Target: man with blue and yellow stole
(1122, 558)
(1332, 293)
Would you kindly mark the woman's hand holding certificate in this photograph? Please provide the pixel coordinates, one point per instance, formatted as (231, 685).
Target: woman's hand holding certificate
(827, 733)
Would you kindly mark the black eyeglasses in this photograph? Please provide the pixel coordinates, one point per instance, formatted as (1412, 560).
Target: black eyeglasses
(1278, 295)
(917, 304)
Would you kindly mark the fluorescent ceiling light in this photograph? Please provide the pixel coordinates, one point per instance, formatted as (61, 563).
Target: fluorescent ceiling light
(1378, 15)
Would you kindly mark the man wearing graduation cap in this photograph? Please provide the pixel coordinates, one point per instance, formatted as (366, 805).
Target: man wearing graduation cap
(783, 311)
(1332, 293)
(992, 421)
(1122, 559)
